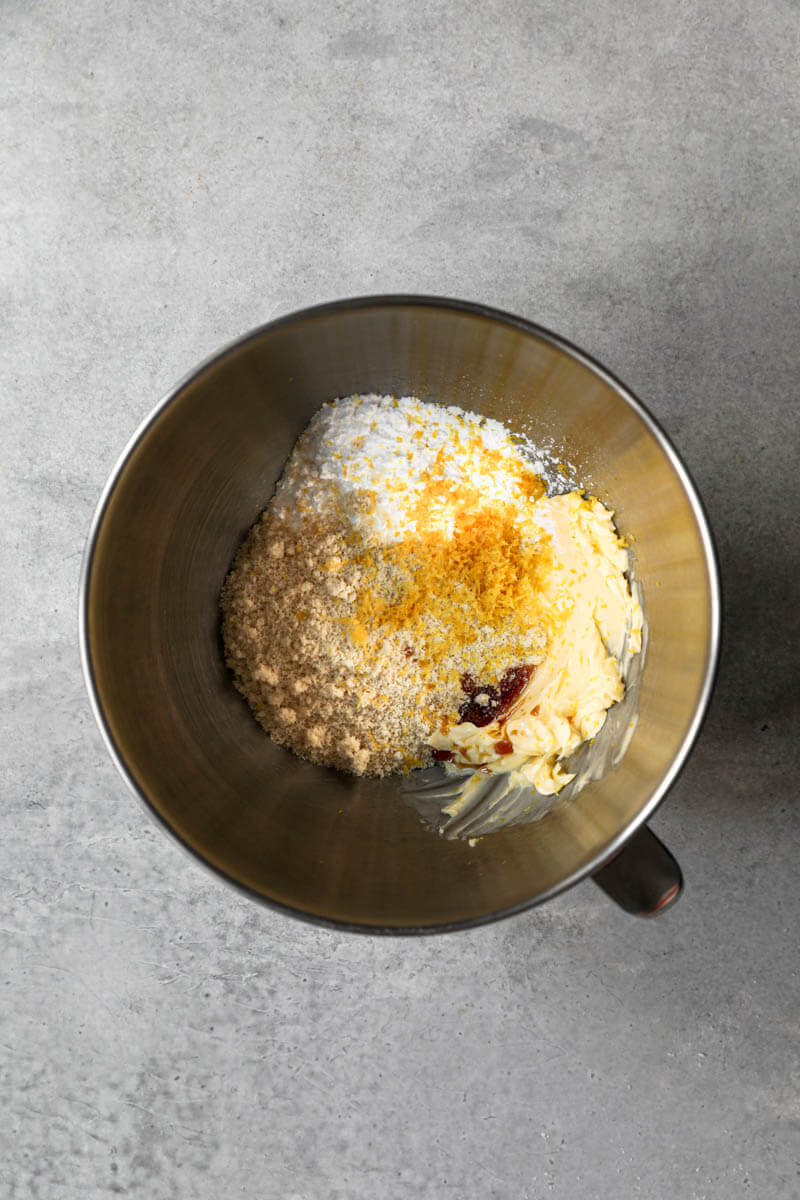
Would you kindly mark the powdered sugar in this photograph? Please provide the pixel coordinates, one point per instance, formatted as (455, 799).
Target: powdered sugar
(378, 454)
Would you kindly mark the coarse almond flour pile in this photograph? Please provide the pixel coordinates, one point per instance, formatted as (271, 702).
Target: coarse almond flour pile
(402, 598)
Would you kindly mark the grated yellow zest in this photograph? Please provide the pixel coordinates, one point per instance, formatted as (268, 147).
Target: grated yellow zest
(436, 585)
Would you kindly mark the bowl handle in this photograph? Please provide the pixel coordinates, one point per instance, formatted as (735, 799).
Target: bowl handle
(643, 877)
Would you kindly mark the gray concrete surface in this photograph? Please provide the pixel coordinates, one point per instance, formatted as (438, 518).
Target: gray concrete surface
(172, 174)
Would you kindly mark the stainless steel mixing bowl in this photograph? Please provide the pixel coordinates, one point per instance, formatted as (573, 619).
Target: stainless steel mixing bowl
(187, 488)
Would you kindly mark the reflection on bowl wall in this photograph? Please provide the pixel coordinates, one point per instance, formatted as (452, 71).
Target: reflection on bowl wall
(194, 480)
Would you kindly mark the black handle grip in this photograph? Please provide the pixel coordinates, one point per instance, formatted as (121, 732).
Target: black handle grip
(643, 878)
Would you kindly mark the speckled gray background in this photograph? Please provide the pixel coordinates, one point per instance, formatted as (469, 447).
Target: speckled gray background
(172, 174)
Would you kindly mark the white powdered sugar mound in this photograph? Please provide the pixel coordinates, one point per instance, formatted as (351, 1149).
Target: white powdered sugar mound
(391, 449)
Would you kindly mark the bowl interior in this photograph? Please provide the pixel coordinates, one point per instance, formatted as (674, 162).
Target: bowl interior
(328, 846)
